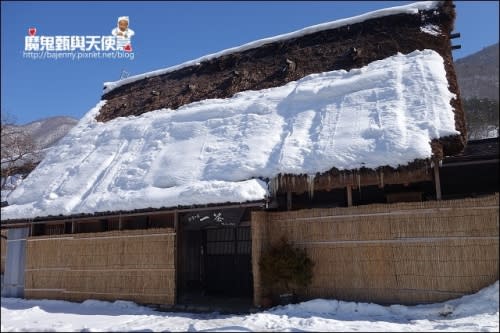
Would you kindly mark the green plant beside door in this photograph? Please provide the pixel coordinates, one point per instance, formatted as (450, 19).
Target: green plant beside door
(285, 269)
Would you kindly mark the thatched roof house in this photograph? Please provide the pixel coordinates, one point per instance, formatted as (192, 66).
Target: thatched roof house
(362, 101)
(174, 186)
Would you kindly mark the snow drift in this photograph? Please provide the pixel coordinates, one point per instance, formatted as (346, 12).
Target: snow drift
(472, 313)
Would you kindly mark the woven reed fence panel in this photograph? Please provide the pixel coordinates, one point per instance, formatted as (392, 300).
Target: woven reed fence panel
(406, 253)
(135, 265)
(3, 249)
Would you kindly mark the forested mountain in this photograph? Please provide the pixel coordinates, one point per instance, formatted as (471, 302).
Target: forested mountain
(478, 76)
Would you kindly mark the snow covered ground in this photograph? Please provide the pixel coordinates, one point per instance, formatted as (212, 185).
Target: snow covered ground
(478, 312)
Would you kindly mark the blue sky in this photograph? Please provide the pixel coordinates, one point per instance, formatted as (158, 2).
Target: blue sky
(166, 34)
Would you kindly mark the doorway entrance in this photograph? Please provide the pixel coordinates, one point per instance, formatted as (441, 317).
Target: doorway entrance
(214, 255)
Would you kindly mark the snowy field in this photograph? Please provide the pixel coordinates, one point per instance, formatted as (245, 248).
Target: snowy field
(478, 313)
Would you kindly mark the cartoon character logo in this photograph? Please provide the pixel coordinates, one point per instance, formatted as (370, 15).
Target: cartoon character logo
(123, 34)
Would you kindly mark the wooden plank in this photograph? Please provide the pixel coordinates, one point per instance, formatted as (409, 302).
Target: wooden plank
(176, 256)
(176, 221)
(25, 223)
(288, 200)
(349, 196)
(437, 180)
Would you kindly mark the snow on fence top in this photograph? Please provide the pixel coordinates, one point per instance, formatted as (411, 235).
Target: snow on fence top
(413, 8)
(221, 150)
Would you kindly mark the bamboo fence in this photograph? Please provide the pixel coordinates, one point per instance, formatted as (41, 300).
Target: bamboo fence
(136, 265)
(406, 253)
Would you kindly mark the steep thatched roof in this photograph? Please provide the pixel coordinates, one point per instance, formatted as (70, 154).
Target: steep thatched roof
(313, 127)
(343, 44)
(371, 119)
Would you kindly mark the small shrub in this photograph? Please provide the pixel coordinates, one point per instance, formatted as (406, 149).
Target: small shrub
(285, 268)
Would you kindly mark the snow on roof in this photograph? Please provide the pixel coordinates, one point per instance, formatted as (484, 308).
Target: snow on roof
(406, 9)
(215, 150)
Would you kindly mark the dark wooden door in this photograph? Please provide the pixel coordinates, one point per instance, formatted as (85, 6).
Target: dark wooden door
(227, 261)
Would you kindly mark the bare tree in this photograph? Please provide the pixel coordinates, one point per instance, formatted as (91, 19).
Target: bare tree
(482, 117)
(18, 152)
